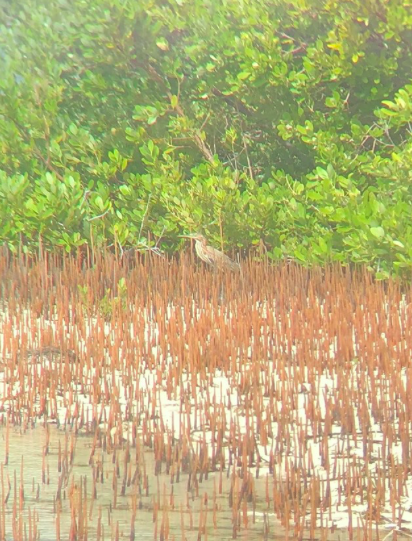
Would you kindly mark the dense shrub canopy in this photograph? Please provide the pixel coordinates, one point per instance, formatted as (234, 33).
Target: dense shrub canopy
(261, 123)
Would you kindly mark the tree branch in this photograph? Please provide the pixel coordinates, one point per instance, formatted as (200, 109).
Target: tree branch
(201, 145)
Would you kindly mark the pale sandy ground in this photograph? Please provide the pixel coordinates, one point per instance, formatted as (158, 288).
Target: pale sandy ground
(344, 450)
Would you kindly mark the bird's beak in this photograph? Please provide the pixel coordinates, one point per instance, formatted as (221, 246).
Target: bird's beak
(187, 236)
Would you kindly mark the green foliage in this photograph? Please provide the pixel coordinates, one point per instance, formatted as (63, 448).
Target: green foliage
(108, 305)
(124, 123)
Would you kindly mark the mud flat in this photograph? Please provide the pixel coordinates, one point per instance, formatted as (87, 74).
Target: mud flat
(167, 400)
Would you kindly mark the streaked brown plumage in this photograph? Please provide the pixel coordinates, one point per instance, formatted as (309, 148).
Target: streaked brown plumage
(211, 256)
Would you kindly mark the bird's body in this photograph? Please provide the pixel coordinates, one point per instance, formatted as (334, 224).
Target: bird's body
(213, 257)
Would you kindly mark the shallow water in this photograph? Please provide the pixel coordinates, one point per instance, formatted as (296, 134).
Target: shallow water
(165, 508)
(40, 458)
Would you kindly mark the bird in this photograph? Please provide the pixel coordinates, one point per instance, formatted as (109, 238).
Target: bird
(213, 257)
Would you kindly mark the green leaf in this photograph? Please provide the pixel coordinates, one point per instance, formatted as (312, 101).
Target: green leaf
(398, 243)
(99, 202)
(152, 120)
(377, 232)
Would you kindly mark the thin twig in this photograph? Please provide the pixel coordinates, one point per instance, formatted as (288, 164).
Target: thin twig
(97, 217)
(47, 164)
(195, 136)
(160, 238)
(247, 157)
(144, 217)
(85, 197)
